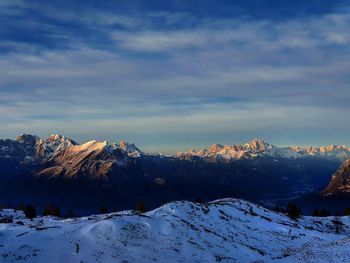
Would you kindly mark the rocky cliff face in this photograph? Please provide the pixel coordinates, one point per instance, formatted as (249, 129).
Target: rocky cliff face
(340, 181)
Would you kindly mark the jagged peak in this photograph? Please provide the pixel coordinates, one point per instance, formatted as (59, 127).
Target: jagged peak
(258, 143)
(215, 147)
(60, 139)
(130, 148)
(56, 136)
(23, 137)
(257, 140)
(122, 143)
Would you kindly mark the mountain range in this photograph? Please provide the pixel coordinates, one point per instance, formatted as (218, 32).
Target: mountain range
(32, 148)
(259, 148)
(59, 170)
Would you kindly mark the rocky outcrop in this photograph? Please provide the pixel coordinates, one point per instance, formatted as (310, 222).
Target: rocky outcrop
(340, 181)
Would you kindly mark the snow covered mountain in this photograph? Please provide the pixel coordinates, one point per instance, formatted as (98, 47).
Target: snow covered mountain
(228, 230)
(61, 156)
(33, 148)
(260, 148)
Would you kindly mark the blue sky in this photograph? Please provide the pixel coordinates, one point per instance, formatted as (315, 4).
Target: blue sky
(169, 75)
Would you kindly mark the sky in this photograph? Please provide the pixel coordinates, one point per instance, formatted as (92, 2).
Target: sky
(170, 75)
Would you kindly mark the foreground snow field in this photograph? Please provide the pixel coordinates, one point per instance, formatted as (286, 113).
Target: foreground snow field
(227, 230)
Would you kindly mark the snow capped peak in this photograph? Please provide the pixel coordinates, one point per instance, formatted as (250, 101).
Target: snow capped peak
(215, 148)
(257, 145)
(109, 147)
(57, 142)
(129, 148)
(58, 138)
(122, 144)
(55, 137)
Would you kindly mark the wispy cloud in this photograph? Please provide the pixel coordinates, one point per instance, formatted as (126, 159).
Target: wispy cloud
(174, 75)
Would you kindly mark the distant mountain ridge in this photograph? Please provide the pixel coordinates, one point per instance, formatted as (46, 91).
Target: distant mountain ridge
(32, 148)
(259, 148)
(58, 156)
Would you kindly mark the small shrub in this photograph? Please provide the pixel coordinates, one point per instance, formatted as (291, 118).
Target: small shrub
(140, 207)
(103, 209)
(278, 209)
(68, 214)
(346, 212)
(50, 210)
(30, 212)
(21, 207)
(321, 213)
(338, 225)
(293, 211)
(199, 200)
(6, 220)
(316, 213)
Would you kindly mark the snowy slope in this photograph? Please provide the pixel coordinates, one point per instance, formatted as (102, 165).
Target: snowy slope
(227, 230)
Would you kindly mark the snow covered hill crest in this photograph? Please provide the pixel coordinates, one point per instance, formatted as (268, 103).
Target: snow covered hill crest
(228, 230)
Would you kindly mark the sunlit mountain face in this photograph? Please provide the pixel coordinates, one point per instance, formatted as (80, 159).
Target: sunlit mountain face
(171, 75)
